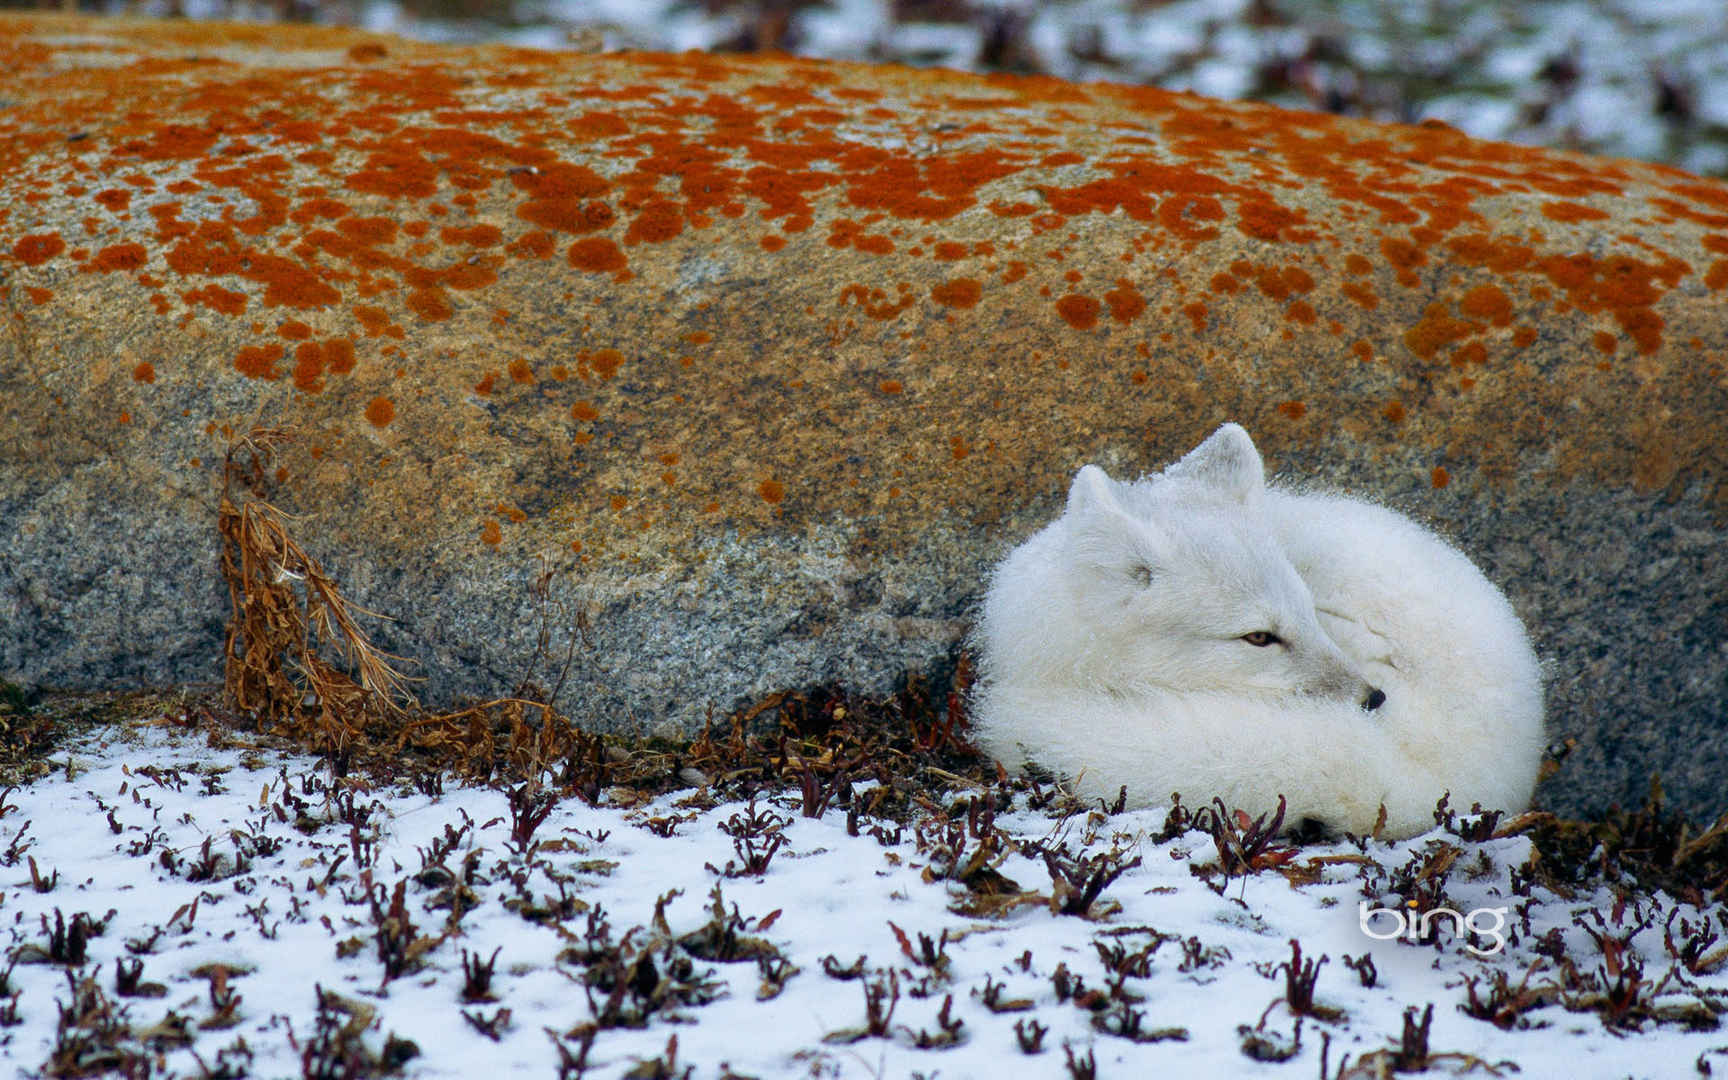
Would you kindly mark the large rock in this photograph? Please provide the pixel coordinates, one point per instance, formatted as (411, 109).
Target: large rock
(767, 360)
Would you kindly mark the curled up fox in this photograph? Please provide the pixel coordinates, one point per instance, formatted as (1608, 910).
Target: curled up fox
(1201, 632)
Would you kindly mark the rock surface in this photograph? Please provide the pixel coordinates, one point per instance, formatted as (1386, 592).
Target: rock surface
(762, 362)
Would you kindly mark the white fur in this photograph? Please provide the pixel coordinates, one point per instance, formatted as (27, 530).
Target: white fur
(1112, 650)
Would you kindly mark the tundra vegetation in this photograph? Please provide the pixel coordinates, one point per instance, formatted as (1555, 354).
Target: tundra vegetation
(496, 887)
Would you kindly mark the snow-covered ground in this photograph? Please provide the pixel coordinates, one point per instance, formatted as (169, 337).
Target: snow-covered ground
(1633, 78)
(177, 907)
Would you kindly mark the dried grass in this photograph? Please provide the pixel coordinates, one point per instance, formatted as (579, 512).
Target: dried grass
(295, 656)
(299, 663)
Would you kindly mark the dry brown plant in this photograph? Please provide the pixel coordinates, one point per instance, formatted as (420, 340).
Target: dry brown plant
(294, 656)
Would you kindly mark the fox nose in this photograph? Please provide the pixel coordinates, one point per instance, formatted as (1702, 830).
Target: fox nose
(1374, 700)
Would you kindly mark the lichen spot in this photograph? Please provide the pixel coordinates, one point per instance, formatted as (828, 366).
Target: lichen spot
(1393, 412)
(381, 411)
(1080, 312)
(127, 256)
(144, 373)
(258, 361)
(1571, 212)
(430, 304)
(606, 362)
(1487, 302)
(1125, 301)
(772, 491)
(891, 386)
(520, 371)
(1440, 477)
(38, 248)
(1197, 313)
(959, 293)
(597, 255)
(584, 410)
(491, 534)
(1294, 410)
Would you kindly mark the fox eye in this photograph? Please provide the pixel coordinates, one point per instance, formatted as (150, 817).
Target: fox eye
(1261, 638)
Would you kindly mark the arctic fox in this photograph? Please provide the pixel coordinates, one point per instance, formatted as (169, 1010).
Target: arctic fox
(1202, 633)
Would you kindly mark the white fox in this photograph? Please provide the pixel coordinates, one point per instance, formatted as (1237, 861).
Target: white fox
(1199, 632)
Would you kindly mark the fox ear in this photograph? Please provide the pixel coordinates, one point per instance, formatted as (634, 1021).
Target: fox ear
(1227, 460)
(1092, 490)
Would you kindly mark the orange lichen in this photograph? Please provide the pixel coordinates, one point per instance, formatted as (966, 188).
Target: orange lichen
(339, 355)
(1571, 212)
(1471, 352)
(1405, 257)
(258, 361)
(597, 254)
(38, 248)
(1197, 314)
(520, 371)
(1604, 342)
(480, 236)
(1439, 477)
(1363, 295)
(655, 223)
(361, 192)
(958, 293)
(491, 533)
(145, 372)
(216, 299)
(604, 362)
(431, 304)
(533, 245)
(1437, 329)
(380, 411)
(309, 365)
(1125, 301)
(875, 302)
(1080, 312)
(772, 491)
(1489, 303)
(1295, 410)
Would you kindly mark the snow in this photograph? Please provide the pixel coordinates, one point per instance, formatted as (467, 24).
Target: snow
(287, 898)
